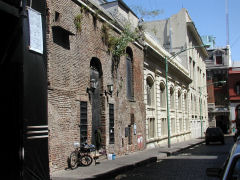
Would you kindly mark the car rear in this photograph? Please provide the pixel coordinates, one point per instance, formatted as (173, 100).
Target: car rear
(214, 134)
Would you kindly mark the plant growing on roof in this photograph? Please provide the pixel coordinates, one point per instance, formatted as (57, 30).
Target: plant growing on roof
(84, 9)
(118, 45)
(78, 22)
(95, 16)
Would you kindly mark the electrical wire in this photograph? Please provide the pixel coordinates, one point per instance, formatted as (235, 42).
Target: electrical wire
(235, 41)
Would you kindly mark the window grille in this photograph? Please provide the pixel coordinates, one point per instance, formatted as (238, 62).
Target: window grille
(111, 124)
(83, 121)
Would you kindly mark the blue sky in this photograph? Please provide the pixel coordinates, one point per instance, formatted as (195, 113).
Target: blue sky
(208, 15)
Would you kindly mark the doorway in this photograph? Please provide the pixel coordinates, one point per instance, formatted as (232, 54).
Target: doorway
(222, 122)
(97, 100)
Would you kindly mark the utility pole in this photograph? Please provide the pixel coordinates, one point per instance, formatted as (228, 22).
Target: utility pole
(168, 115)
(227, 22)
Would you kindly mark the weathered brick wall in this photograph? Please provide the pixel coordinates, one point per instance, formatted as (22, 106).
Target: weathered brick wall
(69, 77)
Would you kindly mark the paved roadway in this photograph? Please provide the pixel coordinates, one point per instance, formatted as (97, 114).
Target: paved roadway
(189, 164)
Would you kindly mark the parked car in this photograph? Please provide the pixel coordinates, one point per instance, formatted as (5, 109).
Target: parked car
(214, 134)
(236, 135)
(231, 167)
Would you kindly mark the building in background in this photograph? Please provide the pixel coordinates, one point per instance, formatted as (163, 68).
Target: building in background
(176, 34)
(234, 95)
(217, 66)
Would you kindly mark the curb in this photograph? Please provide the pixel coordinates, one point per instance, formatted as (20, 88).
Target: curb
(182, 149)
(117, 171)
(190, 146)
(122, 169)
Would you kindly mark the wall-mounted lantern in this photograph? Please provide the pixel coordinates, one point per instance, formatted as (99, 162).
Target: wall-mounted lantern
(109, 89)
(93, 86)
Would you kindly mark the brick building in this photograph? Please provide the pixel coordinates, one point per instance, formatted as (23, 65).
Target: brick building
(234, 94)
(87, 89)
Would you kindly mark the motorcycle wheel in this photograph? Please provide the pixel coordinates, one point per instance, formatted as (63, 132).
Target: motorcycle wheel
(86, 160)
(73, 160)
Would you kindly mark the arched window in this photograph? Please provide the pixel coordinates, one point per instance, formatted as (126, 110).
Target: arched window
(179, 100)
(185, 101)
(150, 91)
(129, 75)
(172, 98)
(162, 95)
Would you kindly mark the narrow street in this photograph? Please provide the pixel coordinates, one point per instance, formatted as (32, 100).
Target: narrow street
(189, 164)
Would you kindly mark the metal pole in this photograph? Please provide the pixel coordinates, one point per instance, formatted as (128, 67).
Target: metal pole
(168, 119)
(201, 119)
(227, 22)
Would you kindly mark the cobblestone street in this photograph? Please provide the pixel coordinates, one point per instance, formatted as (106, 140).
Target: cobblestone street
(189, 164)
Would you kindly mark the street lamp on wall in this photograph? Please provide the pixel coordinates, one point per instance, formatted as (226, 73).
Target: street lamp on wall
(93, 86)
(109, 90)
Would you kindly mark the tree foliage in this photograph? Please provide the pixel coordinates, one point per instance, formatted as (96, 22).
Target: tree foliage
(146, 13)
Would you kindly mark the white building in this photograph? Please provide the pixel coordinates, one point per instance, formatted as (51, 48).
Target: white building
(187, 90)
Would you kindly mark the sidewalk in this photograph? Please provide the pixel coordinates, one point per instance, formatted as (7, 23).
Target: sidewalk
(109, 168)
